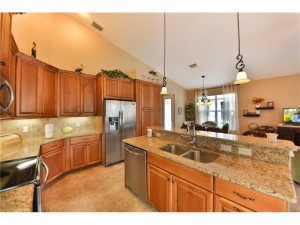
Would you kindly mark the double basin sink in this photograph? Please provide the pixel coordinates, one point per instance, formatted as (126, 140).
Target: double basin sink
(190, 153)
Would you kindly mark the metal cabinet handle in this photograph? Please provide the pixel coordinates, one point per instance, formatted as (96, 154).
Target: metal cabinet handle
(11, 95)
(168, 179)
(2, 63)
(236, 209)
(243, 197)
(138, 154)
(47, 173)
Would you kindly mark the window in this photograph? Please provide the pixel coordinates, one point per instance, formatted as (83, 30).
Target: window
(222, 110)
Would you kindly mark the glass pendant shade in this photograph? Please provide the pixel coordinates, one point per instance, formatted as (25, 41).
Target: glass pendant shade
(164, 91)
(241, 78)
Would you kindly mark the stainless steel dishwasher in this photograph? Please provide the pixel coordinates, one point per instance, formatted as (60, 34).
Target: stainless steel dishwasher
(136, 171)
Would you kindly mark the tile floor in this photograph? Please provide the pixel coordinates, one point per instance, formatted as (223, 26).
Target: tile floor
(93, 189)
(101, 189)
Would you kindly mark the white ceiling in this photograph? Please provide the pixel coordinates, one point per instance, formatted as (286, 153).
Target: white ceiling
(270, 43)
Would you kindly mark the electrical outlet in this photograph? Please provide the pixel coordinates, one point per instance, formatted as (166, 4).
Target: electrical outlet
(157, 134)
(25, 129)
(77, 124)
(226, 148)
(245, 151)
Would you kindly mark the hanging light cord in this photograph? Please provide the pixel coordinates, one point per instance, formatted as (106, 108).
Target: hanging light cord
(164, 78)
(240, 64)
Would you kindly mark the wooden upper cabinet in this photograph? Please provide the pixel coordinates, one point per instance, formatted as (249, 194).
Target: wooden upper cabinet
(118, 88)
(6, 65)
(5, 33)
(156, 97)
(36, 88)
(88, 96)
(77, 94)
(146, 96)
(69, 94)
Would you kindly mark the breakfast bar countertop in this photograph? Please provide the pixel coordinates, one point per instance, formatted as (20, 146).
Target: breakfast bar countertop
(31, 146)
(270, 178)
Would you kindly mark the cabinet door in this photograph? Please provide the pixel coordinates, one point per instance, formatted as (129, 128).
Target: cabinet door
(93, 152)
(286, 133)
(27, 88)
(5, 33)
(55, 162)
(156, 118)
(156, 97)
(159, 187)
(126, 89)
(69, 94)
(49, 92)
(111, 88)
(78, 156)
(88, 96)
(146, 120)
(146, 96)
(187, 197)
(224, 205)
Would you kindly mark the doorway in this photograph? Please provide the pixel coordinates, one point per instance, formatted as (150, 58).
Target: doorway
(169, 111)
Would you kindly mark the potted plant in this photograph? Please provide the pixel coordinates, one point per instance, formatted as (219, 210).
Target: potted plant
(257, 101)
(190, 106)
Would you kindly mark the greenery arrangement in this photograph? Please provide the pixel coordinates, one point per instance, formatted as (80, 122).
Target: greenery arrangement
(116, 74)
(190, 106)
(153, 72)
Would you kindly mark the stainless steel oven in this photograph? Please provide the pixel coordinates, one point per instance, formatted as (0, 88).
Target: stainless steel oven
(20, 172)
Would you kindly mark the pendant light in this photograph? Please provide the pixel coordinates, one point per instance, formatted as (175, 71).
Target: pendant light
(164, 90)
(241, 76)
(204, 100)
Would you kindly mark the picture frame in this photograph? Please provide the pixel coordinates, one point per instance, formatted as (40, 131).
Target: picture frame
(270, 104)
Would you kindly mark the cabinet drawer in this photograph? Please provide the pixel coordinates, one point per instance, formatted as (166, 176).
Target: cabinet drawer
(83, 139)
(52, 146)
(249, 198)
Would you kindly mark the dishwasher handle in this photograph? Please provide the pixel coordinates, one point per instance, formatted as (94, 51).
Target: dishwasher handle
(134, 153)
(47, 173)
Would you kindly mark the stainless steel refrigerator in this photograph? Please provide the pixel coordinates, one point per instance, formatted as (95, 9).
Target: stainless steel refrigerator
(119, 119)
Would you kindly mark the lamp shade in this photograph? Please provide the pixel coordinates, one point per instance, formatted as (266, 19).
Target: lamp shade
(241, 78)
(164, 91)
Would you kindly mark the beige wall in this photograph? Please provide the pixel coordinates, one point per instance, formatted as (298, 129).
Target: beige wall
(66, 44)
(283, 91)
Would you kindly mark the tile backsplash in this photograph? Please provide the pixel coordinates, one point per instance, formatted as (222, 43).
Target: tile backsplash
(36, 127)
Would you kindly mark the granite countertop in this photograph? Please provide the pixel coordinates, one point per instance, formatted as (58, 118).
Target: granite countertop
(17, 200)
(282, 145)
(270, 178)
(31, 146)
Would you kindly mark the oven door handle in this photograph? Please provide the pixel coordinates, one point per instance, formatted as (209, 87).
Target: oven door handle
(47, 173)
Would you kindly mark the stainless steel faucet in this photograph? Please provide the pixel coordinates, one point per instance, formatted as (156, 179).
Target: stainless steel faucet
(193, 142)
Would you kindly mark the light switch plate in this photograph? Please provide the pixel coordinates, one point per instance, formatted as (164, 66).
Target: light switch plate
(245, 151)
(25, 129)
(77, 124)
(226, 148)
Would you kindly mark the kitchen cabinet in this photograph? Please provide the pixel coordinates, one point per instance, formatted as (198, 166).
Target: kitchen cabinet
(118, 88)
(6, 65)
(53, 154)
(85, 151)
(148, 101)
(175, 188)
(229, 195)
(36, 88)
(224, 205)
(77, 94)
(290, 133)
(5, 35)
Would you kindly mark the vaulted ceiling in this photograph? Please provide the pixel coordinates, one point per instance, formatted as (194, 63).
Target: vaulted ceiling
(270, 43)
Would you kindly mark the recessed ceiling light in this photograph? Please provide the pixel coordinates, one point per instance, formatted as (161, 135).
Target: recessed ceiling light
(193, 65)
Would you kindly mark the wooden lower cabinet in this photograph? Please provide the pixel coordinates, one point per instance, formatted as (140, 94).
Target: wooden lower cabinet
(85, 151)
(53, 155)
(169, 193)
(246, 197)
(224, 205)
